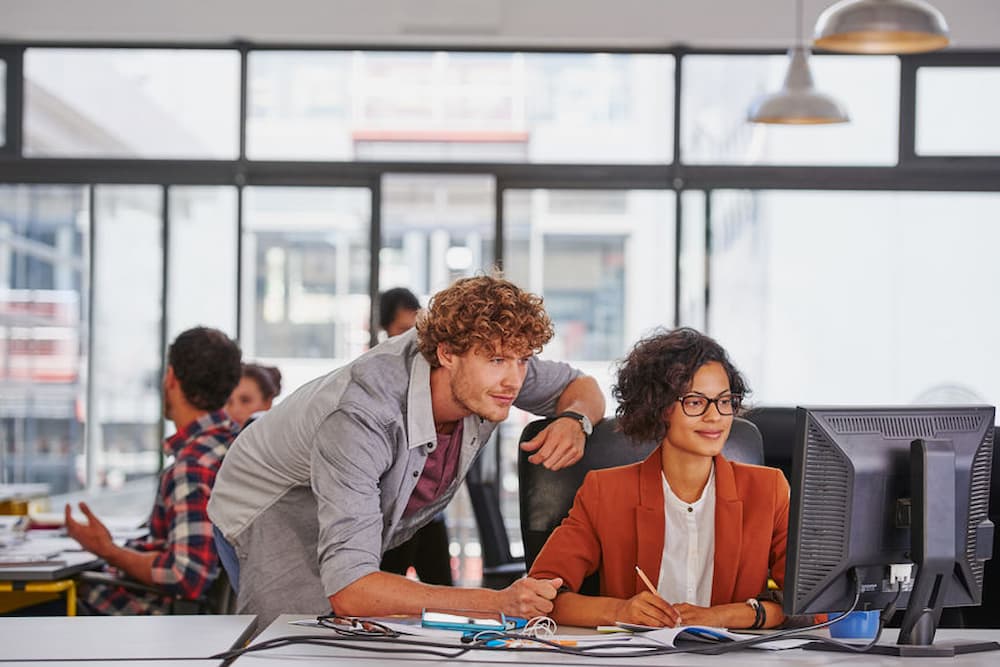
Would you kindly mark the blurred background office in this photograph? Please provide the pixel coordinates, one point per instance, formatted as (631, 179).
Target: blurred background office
(268, 171)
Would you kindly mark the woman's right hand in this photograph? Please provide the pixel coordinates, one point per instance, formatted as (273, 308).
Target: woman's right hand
(648, 609)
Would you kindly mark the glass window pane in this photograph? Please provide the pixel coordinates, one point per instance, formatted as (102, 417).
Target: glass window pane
(958, 110)
(719, 89)
(505, 107)
(693, 265)
(435, 229)
(305, 279)
(858, 298)
(142, 103)
(44, 248)
(202, 259)
(128, 277)
(603, 261)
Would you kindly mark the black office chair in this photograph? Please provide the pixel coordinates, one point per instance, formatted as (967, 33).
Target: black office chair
(500, 568)
(777, 428)
(220, 598)
(546, 496)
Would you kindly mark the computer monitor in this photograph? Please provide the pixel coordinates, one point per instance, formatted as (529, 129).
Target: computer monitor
(888, 498)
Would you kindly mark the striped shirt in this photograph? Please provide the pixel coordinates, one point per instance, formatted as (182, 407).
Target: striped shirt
(179, 530)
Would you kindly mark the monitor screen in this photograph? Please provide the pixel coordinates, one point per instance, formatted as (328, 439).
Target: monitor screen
(867, 499)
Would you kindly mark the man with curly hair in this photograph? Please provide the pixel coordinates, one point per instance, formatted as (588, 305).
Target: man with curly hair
(178, 556)
(354, 462)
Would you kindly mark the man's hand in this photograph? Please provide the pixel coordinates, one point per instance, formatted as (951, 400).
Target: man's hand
(93, 536)
(527, 598)
(560, 444)
(648, 609)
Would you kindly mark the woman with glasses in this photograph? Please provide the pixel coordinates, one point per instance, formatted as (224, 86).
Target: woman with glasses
(685, 537)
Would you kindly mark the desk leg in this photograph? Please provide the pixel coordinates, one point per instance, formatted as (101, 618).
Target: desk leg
(71, 599)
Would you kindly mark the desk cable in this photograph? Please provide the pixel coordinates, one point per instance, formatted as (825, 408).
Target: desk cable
(538, 644)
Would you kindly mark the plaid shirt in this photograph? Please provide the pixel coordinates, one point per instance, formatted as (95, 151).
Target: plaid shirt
(179, 530)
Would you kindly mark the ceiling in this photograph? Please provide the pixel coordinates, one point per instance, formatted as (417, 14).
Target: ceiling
(975, 24)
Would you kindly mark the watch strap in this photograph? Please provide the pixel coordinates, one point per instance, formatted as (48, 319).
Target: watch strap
(576, 416)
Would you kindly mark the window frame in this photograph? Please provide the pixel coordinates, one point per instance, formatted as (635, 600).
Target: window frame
(911, 173)
(908, 155)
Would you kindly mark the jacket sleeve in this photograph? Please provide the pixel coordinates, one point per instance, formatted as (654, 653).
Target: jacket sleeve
(544, 383)
(352, 451)
(573, 551)
(779, 536)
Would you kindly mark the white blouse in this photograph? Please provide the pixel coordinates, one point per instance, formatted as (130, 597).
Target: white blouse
(688, 564)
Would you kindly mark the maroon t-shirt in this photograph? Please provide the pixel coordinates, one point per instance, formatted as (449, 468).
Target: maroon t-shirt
(439, 470)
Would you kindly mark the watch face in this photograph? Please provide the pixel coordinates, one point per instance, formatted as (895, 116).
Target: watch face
(588, 428)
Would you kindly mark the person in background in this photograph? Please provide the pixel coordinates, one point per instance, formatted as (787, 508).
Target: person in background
(354, 462)
(705, 532)
(397, 311)
(178, 556)
(427, 551)
(258, 387)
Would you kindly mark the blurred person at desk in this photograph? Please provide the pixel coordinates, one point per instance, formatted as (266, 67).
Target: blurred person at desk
(354, 462)
(685, 537)
(178, 556)
(427, 551)
(255, 393)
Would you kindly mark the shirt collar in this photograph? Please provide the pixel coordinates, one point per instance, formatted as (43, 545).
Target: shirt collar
(419, 412)
(207, 421)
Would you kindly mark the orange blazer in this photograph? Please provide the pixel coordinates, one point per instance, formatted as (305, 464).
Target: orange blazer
(617, 522)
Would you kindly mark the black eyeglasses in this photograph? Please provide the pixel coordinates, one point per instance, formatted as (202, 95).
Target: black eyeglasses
(695, 405)
(355, 627)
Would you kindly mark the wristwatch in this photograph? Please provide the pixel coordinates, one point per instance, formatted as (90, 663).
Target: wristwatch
(583, 420)
(759, 612)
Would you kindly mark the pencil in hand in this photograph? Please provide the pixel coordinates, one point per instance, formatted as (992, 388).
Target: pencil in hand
(652, 589)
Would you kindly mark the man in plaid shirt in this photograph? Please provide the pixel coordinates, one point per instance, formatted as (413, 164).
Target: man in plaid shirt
(179, 554)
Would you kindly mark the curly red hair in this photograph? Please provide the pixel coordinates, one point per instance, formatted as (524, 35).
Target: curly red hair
(478, 314)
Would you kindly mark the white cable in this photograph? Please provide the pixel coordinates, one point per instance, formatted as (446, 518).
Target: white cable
(540, 626)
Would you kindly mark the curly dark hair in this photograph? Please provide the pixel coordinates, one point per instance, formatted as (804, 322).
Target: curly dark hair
(476, 313)
(390, 301)
(207, 364)
(658, 371)
(268, 379)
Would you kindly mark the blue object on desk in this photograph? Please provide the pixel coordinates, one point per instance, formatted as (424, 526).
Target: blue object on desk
(857, 625)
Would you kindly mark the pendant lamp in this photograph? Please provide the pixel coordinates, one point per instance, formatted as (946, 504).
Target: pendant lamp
(798, 102)
(881, 26)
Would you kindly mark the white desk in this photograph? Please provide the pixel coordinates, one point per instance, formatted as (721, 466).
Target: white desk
(120, 637)
(306, 656)
(66, 565)
(23, 491)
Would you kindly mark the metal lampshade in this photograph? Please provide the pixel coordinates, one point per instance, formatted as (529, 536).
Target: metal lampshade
(881, 26)
(798, 102)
